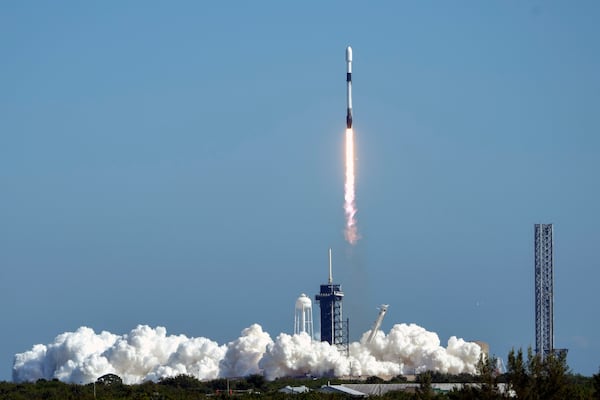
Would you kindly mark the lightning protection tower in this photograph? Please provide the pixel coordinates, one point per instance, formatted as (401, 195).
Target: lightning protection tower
(303, 320)
(333, 328)
(544, 290)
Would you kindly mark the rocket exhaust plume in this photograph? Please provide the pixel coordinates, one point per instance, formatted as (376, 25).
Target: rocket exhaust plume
(148, 354)
(351, 230)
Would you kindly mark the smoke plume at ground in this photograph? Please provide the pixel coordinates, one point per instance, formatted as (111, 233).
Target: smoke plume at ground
(148, 353)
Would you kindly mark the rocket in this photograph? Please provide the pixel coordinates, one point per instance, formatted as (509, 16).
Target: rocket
(349, 87)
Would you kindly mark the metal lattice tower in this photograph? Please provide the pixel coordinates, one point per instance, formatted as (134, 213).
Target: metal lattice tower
(333, 327)
(544, 290)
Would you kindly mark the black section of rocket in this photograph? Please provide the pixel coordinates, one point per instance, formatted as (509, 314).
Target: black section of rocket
(349, 87)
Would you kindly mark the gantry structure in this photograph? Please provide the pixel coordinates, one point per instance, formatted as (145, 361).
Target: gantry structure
(544, 289)
(334, 329)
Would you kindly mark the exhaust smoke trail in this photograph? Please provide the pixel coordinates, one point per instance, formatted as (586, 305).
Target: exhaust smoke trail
(351, 231)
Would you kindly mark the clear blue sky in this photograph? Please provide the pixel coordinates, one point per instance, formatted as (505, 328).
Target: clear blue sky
(181, 164)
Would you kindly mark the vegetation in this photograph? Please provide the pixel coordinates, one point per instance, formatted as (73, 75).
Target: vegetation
(527, 378)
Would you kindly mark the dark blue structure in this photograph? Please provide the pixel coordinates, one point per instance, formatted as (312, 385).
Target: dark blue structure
(332, 325)
(334, 329)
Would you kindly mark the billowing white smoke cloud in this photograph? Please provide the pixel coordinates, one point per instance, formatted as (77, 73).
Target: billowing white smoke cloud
(298, 355)
(244, 353)
(143, 354)
(411, 348)
(148, 354)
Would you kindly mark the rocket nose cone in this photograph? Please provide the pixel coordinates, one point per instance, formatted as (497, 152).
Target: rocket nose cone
(349, 54)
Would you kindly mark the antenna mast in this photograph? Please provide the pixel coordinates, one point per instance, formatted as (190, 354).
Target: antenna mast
(330, 269)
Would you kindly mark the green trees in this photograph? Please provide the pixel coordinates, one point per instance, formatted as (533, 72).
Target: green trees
(181, 382)
(517, 375)
(535, 378)
(488, 379)
(486, 385)
(110, 379)
(596, 383)
(425, 391)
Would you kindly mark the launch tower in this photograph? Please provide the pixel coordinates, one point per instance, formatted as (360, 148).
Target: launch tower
(544, 290)
(334, 329)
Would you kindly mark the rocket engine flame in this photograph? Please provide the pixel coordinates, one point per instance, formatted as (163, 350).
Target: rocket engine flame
(351, 230)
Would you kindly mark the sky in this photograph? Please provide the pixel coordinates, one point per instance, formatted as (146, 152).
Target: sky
(180, 164)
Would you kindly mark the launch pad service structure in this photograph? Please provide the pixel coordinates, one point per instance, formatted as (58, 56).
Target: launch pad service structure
(334, 329)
